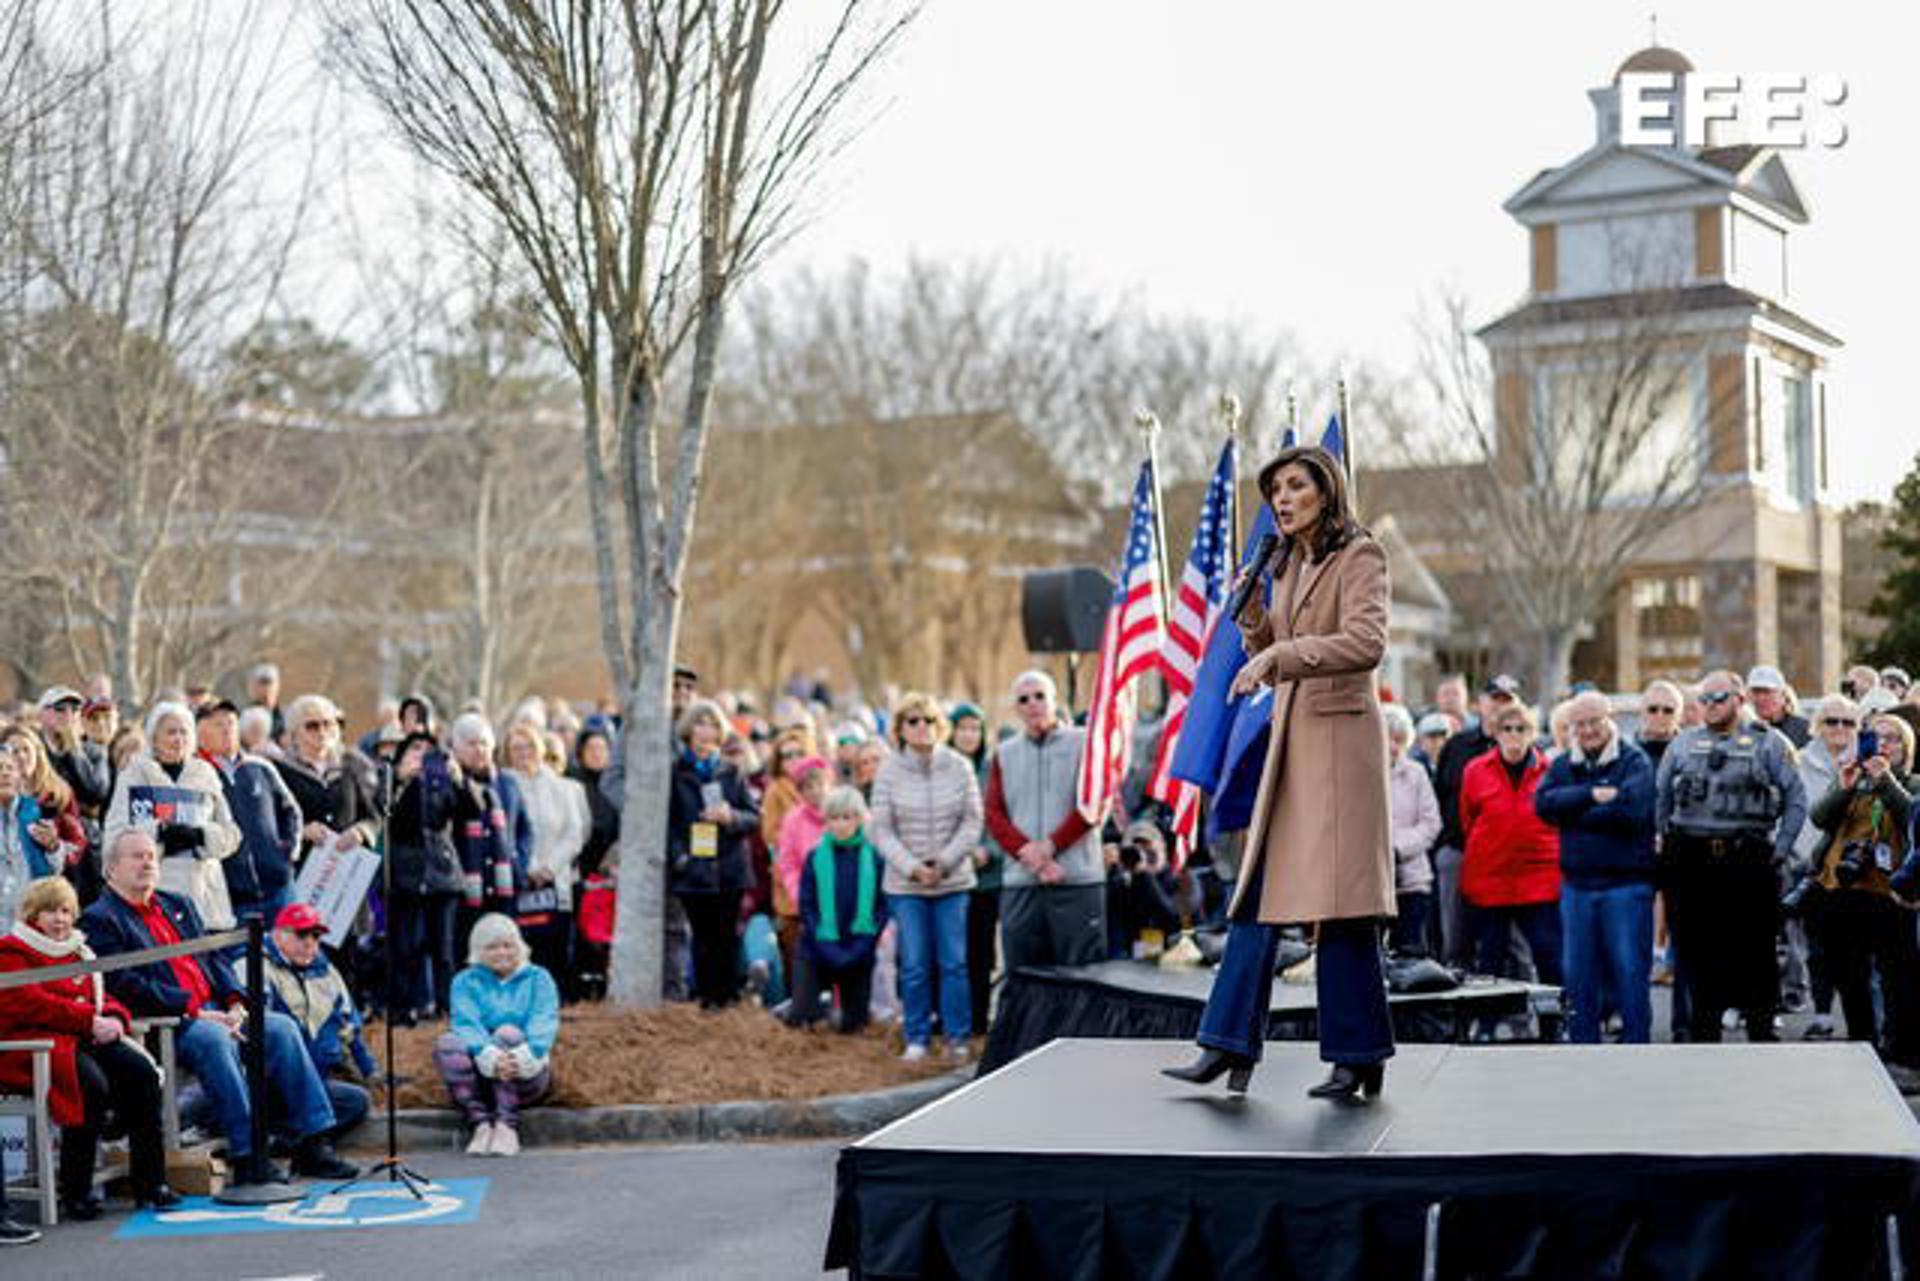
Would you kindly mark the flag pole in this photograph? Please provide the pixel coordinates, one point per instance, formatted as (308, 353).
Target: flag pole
(1293, 414)
(1149, 424)
(1230, 417)
(1346, 429)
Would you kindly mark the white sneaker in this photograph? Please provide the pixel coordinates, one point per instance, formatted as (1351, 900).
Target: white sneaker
(957, 1052)
(914, 1053)
(506, 1140)
(481, 1144)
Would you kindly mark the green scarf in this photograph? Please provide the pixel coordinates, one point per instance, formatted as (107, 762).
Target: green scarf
(828, 930)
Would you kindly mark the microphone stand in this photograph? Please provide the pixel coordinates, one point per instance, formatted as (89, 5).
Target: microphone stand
(396, 1170)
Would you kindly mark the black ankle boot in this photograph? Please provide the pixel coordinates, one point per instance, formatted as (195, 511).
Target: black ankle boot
(1209, 1067)
(1347, 1083)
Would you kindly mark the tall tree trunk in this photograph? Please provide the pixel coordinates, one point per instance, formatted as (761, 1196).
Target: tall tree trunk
(646, 749)
(1555, 670)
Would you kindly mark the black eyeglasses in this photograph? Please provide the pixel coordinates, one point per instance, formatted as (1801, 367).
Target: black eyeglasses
(1513, 729)
(1032, 696)
(1832, 721)
(1661, 710)
(908, 722)
(1717, 697)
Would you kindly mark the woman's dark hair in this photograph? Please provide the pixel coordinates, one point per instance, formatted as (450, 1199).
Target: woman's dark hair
(1337, 524)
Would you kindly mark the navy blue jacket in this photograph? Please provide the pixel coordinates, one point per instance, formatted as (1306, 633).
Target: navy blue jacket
(1601, 846)
(113, 926)
(849, 949)
(269, 823)
(729, 869)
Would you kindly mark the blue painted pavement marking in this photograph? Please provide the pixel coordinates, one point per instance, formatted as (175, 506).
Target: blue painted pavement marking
(373, 1205)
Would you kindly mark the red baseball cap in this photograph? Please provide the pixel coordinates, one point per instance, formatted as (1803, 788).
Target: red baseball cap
(298, 918)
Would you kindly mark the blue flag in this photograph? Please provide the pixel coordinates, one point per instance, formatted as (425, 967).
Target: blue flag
(1289, 438)
(1334, 441)
(1224, 740)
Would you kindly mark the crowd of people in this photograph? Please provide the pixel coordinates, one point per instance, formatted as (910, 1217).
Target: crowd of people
(846, 863)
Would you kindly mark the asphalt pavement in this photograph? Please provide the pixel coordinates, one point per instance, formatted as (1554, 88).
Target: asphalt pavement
(723, 1212)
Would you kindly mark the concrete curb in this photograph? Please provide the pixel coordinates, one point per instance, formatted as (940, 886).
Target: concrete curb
(834, 1116)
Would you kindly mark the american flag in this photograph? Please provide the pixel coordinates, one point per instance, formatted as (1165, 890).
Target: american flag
(1196, 609)
(1129, 646)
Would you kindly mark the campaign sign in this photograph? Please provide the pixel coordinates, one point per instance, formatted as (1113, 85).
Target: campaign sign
(368, 1205)
(151, 808)
(335, 881)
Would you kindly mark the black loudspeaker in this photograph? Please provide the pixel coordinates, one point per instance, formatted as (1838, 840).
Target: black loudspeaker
(1063, 611)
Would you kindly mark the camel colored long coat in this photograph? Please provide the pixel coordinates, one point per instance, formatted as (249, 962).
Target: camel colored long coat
(1320, 827)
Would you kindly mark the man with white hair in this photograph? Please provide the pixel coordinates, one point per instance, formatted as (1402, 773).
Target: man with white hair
(1053, 891)
(1599, 794)
(135, 915)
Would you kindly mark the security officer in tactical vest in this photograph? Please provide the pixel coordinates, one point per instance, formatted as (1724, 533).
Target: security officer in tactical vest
(1730, 803)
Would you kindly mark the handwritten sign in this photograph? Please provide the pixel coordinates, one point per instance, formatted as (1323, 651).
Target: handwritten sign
(335, 881)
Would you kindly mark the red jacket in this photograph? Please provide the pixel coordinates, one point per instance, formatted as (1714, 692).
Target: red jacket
(61, 1011)
(1512, 857)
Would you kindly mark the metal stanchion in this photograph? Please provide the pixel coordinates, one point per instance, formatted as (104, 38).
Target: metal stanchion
(258, 1185)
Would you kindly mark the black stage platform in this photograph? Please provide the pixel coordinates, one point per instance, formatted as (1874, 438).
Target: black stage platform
(1692, 1161)
(1137, 1000)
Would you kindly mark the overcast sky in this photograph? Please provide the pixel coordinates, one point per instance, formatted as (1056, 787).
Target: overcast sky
(1322, 169)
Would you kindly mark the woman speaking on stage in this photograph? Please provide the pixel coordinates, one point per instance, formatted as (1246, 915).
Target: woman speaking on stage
(1319, 849)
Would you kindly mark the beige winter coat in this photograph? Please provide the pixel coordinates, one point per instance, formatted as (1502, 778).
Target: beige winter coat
(1320, 844)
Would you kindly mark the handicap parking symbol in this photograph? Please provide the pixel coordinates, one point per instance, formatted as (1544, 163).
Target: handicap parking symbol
(388, 1205)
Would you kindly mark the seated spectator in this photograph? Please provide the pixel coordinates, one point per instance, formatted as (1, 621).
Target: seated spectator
(1600, 795)
(506, 1016)
(176, 798)
(842, 912)
(1416, 826)
(301, 985)
(134, 915)
(97, 1066)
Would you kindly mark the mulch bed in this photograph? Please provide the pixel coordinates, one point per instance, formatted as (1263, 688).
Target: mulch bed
(682, 1054)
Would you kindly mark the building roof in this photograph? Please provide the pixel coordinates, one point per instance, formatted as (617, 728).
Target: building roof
(1733, 159)
(1692, 298)
(1655, 58)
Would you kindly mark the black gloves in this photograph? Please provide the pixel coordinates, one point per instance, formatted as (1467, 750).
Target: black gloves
(180, 838)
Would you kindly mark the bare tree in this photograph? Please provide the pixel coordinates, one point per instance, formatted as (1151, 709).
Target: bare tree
(640, 158)
(1069, 363)
(137, 242)
(1559, 463)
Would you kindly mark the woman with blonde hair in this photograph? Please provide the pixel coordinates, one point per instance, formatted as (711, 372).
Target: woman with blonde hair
(56, 829)
(496, 1059)
(331, 782)
(557, 807)
(98, 1066)
(926, 822)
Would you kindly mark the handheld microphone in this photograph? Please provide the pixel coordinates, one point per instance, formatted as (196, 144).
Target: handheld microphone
(1258, 566)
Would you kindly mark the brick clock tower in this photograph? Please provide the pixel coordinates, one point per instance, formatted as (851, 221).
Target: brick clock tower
(1751, 572)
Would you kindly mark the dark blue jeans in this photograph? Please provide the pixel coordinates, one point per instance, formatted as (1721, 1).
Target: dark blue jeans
(212, 1054)
(1608, 942)
(1351, 991)
(1538, 923)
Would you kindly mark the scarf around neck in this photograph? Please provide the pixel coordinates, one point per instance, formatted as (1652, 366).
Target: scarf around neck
(828, 931)
(72, 948)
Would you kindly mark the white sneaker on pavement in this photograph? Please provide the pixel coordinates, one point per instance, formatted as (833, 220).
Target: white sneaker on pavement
(481, 1144)
(958, 1052)
(914, 1053)
(506, 1140)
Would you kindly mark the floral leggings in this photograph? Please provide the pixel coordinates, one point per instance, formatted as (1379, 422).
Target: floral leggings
(485, 1098)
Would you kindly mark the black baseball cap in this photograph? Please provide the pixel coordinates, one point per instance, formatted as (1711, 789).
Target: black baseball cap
(1502, 684)
(213, 707)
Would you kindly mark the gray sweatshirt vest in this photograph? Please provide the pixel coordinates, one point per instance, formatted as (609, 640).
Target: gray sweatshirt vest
(1037, 783)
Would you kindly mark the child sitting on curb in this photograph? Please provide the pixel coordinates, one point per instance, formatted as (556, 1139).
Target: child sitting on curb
(842, 912)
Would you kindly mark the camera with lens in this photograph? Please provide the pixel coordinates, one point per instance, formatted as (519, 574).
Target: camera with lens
(1855, 861)
(1133, 854)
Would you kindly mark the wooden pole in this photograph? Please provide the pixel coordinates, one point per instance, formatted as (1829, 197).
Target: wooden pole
(1149, 424)
(1230, 418)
